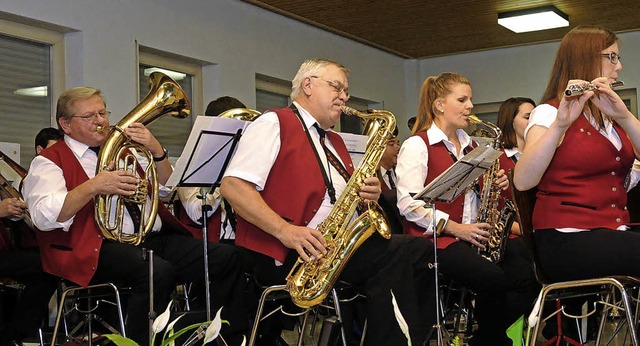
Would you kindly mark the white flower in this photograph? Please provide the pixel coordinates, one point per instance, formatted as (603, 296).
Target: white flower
(244, 340)
(214, 328)
(162, 320)
(403, 324)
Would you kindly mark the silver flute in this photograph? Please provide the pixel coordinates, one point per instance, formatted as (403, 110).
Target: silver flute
(577, 89)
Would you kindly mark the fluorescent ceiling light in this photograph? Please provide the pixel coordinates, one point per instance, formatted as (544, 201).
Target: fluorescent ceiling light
(173, 74)
(39, 91)
(533, 19)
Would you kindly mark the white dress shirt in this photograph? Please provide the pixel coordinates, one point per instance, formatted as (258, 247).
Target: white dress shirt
(385, 176)
(45, 189)
(412, 170)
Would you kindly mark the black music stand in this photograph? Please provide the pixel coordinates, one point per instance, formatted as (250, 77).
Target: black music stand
(445, 188)
(206, 155)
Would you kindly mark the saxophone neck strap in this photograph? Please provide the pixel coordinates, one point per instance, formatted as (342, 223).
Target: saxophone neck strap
(326, 174)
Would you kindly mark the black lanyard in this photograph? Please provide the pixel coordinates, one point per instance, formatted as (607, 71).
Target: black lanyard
(326, 174)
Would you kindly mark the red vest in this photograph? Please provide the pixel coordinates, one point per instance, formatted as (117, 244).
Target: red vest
(214, 223)
(73, 255)
(439, 160)
(295, 187)
(583, 187)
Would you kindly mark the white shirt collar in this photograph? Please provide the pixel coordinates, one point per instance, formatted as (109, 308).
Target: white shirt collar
(77, 147)
(510, 152)
(436, 135)
(308, 119)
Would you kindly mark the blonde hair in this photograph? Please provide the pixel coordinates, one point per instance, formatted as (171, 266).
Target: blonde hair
(433, 88)
(309, 68)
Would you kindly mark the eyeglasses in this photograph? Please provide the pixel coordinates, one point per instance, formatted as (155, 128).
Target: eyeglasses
(614, 58)
(337, 86)
(93, 116)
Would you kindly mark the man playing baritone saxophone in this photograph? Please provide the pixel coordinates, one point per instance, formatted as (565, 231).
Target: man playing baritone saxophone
(275, 183)
(60, 189)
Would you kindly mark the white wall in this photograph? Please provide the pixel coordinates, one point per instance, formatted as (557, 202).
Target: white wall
(516, 71)
(239, 38)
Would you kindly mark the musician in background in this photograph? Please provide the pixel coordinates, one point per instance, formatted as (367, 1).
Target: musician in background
(579, 153)
(513, 117)
(47, 137)
(388, 180)
(60, 189)
(23, 265)
(281, 184)
(503, 294)
(221, 219)
(387, 166)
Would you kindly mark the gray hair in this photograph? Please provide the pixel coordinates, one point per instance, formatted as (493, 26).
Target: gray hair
(312, 67)
(64, 108)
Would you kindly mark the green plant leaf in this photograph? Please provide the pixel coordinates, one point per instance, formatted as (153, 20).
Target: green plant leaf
(120, 340)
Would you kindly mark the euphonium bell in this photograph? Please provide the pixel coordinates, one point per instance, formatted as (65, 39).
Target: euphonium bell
(165, 97)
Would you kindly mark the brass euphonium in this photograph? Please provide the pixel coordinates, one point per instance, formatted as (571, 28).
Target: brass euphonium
(310, 282)
(245, 114)
(165, 97)
(499, 220)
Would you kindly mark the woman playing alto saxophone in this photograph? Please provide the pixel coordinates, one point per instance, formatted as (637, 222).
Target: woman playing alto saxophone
(439, 140)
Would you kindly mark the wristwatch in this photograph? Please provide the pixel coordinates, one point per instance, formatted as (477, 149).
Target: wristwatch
(164, 155)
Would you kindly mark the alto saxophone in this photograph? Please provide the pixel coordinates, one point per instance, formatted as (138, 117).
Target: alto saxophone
(500, 221)
(310, 282)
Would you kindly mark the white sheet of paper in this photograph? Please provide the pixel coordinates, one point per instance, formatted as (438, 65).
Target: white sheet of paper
(356, 145)
(210, 142)
(460, 176)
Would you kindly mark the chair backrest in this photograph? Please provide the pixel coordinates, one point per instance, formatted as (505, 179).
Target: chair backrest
(524, 202)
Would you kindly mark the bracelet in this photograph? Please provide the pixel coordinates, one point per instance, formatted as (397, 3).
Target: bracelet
(164, 155)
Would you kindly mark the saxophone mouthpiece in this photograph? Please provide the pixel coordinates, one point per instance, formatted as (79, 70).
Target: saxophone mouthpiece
(348, 110)
(100, 129)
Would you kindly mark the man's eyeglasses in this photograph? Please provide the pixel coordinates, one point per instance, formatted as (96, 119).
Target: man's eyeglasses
(337, 86)
(93, 116)
(614, 58)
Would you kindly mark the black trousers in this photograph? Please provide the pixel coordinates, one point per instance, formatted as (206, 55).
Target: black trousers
(31, 306)
(379, 267)
(177, 258)
(590, 254)
(504, 291)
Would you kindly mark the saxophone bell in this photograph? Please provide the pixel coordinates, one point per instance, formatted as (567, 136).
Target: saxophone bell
(577, 89)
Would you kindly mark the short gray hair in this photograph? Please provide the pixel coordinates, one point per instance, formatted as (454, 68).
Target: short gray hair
(64, 108)
(312, 67)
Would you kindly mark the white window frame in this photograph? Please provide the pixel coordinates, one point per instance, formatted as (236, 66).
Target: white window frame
(55, 39)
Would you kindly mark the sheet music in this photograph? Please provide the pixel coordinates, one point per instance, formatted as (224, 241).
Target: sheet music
(356, 145)
(459, 176)
(206, 150)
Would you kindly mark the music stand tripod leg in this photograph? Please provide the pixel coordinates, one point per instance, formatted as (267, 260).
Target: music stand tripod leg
(207, 294)
(438, 327)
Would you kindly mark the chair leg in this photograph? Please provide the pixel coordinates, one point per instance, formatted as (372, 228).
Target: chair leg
(90, 316)
(261, 303)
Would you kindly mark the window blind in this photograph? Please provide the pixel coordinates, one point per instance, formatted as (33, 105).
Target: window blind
(24, 64)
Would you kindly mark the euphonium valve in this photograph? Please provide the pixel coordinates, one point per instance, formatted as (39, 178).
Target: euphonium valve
(165, 97)
(310, 282)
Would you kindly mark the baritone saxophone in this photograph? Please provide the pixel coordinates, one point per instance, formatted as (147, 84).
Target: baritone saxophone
(310, 282)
